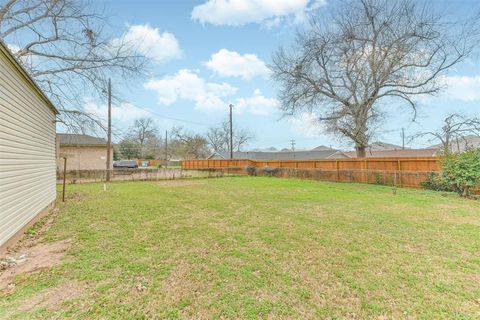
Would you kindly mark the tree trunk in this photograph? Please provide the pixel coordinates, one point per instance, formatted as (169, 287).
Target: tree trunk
(361, 151)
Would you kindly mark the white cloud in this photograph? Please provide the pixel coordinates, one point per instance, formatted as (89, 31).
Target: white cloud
(151, 42)
(124, 112)
(27, 60)
(241, 12)
(188, 85)
(306, 124)
(257, 104)
(232, 64)
(208, 96)
(462, 88)
(13, 47)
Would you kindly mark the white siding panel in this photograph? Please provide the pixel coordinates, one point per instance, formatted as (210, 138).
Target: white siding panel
(27, 152)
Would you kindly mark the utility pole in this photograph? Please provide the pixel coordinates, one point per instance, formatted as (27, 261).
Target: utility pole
(403, 138)
(231, 132)
(166, 148)
(293, 147)
(109, 130)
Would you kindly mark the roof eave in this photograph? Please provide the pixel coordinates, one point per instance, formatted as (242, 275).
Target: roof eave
(4, 49)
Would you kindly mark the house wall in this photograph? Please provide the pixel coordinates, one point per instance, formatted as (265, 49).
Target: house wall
(83, 157)
(27, 152)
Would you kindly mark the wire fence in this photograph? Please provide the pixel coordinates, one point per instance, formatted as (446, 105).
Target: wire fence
(83, 176)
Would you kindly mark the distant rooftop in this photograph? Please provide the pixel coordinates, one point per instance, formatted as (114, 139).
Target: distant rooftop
(380, 145)
(428, 152)
(462, 144)
(282, 155)
(80, 139)
(321, 148)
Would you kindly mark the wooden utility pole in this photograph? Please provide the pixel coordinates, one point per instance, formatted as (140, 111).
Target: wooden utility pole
(166, 148)
(403, 138)
(109, 130)
(231, 132)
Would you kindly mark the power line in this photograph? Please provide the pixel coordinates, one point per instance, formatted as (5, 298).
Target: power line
(167, 117)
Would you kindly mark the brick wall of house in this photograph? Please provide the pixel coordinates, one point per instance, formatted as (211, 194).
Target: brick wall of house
(83, 158)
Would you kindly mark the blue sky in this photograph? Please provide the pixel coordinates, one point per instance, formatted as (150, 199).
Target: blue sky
(208, 54)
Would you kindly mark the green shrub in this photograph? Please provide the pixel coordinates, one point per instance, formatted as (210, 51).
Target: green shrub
(435, 181)
(462, 171)
(251, 170)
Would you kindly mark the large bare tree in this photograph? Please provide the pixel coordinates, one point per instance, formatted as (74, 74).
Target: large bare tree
(364, 53)
(66, 48)
(144, 134)
(219, 137)
(454, 132)
(188, 145)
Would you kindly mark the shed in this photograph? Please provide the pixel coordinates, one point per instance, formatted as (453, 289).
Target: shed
(27, 150)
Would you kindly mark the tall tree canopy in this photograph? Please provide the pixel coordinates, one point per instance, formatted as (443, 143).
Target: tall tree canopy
(455, 131)
(66, 48)
(364, 53)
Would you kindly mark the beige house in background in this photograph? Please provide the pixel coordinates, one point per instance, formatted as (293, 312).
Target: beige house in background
(27, 150)
(83, 152)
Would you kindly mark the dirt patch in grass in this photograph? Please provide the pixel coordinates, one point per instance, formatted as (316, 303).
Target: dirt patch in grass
(30, 259)
(181, 183)
(34, 234)
(179, 284)
(51, 297)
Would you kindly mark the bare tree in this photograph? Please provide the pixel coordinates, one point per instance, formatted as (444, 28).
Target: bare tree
(368, 51)
(128, 149)
(64, 46)
(188, 145)
(218, 137)
(144, 134)
(454, 132)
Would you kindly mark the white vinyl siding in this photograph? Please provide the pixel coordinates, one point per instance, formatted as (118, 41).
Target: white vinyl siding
(27, 152)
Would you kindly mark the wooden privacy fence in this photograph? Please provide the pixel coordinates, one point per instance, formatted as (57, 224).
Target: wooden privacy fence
(403, 172)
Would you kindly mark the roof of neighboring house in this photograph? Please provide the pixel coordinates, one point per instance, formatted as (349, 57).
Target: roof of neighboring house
(380, 145)
(269, 149)
(18, 66)
(428, 152)
(282, 155)
(321, 148)
(462, 144)
(80, 140)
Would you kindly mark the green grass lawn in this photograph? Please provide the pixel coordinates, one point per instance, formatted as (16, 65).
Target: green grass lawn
(256, 247)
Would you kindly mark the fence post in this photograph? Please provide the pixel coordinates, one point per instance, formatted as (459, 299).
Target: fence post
(338, 174)
(399, 169)
(365, 168)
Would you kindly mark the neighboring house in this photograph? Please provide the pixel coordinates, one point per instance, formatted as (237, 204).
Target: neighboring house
(407, 153)
(83, 152)
(381, 149)
(282, 155)
(321, 148)
(462, 144)
(27, 150)
(380, 145)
